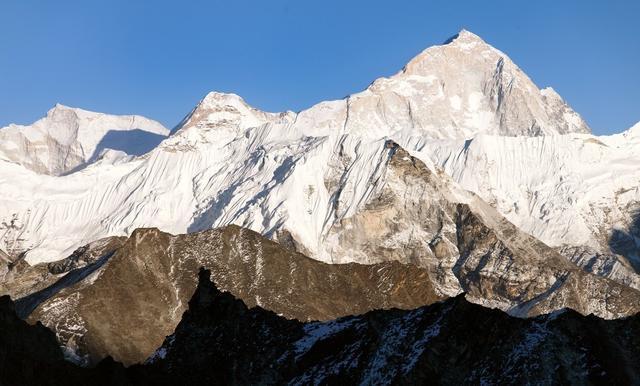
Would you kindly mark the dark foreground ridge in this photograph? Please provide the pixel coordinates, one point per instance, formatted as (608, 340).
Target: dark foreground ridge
(221, 341)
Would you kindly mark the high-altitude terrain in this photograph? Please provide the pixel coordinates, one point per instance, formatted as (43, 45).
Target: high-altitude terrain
(102, 307)
(108, 311)
(321, 178)
(220, 340)
(455, 175)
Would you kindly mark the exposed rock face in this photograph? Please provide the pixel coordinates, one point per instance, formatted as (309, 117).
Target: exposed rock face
(417, 215)
(21, 280)
(610, 265)
(128, 305)
(67, 138)
(220, 340)
(575, 192)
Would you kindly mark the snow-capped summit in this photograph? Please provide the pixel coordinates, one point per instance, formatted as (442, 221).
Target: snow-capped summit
(215, 98)
(456, 90)
(67, 138)
(464, 36)
(463, 40)
(218, 110)
(219, 115)
(466, 86)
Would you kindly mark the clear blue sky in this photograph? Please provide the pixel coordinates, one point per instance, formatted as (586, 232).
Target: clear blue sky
(158, 58)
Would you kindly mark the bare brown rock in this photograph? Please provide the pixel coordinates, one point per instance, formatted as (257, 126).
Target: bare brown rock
(127, 307)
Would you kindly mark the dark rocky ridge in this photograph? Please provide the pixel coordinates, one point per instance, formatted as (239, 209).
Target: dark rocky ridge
(30, 355)
(19, 280)
(222, 341)
(127, 306)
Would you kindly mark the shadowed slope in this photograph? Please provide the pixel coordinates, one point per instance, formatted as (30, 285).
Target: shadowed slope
(222, 341)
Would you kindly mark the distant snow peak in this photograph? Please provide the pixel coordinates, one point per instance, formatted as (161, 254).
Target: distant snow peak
(216, 98)
(219, 114)
(68, 138)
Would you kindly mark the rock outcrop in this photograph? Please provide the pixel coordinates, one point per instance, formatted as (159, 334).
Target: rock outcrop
(220, 340)
(136, 297)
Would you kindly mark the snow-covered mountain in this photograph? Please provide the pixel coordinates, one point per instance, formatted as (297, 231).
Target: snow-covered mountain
(68, 138)
(573, 190)
(230, 163)
(330, 181)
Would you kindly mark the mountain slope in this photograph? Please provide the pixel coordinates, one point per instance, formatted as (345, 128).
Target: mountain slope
(125, 307)
(221, 340)
(106, 311)
(21, 280)
(452, 342)
(68, 138)
(584, 194)
(329, 183)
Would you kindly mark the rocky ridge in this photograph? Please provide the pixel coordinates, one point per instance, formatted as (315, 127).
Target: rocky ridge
(221, 340)
(451, 342)
(154, 272)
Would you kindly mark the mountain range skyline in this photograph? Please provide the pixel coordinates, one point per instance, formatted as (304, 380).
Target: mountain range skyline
(453, 221)
(159, 61)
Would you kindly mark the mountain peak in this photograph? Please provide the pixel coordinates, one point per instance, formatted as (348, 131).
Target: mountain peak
(217, 97)
(220, 110)
(463, 43)
(221, 101)
(59, 107)
(79, 136)
(464, 36)
(472, 87)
